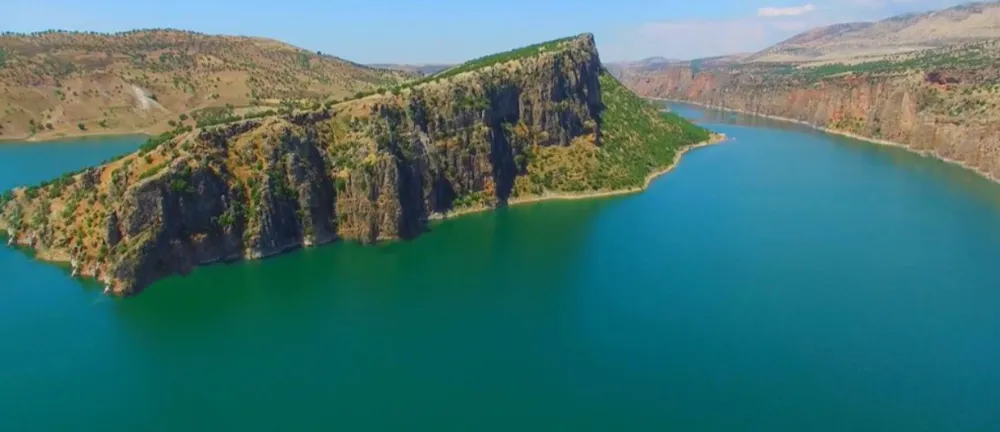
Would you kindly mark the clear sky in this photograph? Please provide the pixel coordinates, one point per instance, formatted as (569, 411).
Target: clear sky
(400, 31)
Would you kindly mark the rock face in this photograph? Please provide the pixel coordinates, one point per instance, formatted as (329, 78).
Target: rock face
(370, 169)
(950, 113)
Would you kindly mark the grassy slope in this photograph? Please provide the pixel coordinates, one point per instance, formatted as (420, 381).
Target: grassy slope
(637, 140)
(968, 57)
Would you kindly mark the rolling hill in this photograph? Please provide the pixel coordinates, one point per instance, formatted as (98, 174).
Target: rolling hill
(966, 23)
(57, 83)
(420, 69)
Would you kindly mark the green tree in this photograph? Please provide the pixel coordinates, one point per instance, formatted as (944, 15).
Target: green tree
(82, 126)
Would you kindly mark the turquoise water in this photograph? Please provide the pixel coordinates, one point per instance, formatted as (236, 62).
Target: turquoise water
(785, 281)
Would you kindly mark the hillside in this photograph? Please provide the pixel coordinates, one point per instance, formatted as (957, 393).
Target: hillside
(418, 69)
(969, 23)
(58, 83)
(944, 101)
(531, 122)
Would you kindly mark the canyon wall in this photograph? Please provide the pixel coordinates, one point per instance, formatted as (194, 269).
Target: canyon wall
(952, 115)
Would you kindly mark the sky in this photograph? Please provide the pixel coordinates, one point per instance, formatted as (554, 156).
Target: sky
(451, 31)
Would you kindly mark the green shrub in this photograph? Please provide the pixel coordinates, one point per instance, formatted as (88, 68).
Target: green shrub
(151, 171)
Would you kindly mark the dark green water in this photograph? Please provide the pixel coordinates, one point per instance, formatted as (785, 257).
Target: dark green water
(786, 281)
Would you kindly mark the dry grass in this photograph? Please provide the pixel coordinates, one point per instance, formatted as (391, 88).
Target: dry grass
(892, 36)
(51, 83)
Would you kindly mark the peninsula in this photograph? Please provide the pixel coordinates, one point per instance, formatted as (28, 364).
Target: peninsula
(541, 121)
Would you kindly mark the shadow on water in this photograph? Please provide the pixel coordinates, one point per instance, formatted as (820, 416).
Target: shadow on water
(460, 258)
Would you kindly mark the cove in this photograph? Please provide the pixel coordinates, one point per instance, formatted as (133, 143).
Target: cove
(787, 280)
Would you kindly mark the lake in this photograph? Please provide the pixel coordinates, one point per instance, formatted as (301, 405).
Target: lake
(788, 280)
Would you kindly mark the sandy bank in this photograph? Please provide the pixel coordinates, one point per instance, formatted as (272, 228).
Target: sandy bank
(65, 136)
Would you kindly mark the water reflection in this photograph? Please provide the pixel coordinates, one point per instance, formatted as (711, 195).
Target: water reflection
(955, 176)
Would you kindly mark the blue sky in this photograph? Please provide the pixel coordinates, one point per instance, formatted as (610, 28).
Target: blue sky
(370, 31)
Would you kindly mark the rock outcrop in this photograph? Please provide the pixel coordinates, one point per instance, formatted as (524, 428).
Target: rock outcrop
(370, 169)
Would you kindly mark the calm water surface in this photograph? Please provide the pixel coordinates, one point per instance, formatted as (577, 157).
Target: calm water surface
(785, 281)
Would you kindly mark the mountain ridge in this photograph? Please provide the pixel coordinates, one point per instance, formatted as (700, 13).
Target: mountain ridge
(971, 22)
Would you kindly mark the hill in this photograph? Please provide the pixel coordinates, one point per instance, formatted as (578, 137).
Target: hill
(968, 23)
(618, 69)
(418, 69)
(60, 83)
(535, 122)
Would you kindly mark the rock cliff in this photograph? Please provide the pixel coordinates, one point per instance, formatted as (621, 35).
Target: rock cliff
(942, 102)
(533, 121)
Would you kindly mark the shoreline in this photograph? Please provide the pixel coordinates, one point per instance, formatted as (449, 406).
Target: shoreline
(30, 139)
(926, 153)
(717, 138)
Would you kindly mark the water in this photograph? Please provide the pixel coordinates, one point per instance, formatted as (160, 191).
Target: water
(786, 281)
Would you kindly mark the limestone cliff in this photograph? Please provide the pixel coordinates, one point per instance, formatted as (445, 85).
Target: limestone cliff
(942, 102)
(532, 121)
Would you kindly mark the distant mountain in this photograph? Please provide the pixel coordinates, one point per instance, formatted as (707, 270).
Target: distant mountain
(652, 65)
(960, 24)
(648, 63)
(56, 82)
(654, 61)
(422, 69)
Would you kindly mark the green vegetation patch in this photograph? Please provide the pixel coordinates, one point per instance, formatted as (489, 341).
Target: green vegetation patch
(637, 139)
(154, 142)
(493, 59)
